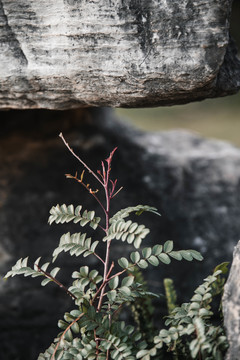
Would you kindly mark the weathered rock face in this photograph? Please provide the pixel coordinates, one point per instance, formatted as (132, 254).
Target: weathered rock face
(63, 54)
(194, 182)
(231, 307)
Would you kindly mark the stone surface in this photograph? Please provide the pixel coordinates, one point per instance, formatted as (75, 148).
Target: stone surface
(59, 54)
(194, 182)
(231, 307)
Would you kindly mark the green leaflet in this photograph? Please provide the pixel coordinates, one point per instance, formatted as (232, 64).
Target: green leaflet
(84, 279)
(128, 231)
(159, 253)
(71, 349)
(21, 268)
(77, 244)
(123, 262)
(113, 283)
(64, 214)
(139, 209)
(192, 319)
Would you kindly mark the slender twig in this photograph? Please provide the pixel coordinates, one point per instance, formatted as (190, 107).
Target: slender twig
(105, 279)
(63, 334)
(69, 176)
(108, 198)
(121, 272)
(103, 283)
(110, 270)
(117, 192)
(109, 194)
(99, 257)
(49, 276)
(108, 242)
(79, 159)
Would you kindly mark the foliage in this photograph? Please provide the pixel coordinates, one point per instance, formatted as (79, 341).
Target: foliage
(93, 329)
(171, 295)
(142, 308)
(191, 333)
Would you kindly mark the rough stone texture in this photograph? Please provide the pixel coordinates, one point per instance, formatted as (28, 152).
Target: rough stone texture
(194, 182)
(61, 54)
(231, 307)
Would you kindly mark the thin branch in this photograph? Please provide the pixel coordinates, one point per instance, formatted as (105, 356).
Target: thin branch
(110, 270)
(69, 176)
(98, 291)
(103, 283)
(117, 192)
(99, 257)
(105, 279)
(108, 198)
(103, 172)
(80, 160)
(49, 276)
(97, 341)
(63, 334)
(121, 272)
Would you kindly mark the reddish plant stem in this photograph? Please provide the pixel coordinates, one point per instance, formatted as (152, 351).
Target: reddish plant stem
(106, 263)
(101, 287)
(87, 188)
(118, 191)
(103, 283)
(49, 276)
(63, 334)
(107, 196)
(121, 272)
(99, 258)
(79, 159)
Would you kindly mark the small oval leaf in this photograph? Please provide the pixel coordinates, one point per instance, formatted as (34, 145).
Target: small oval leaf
(168, 246)
(113, 283)
(123, 262)
(164, 258)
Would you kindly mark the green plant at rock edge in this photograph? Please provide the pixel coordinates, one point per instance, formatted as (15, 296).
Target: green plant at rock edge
(92, 329)
(190, 332)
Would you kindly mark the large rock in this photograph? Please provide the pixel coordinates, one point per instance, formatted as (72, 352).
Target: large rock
(231, 307)
(194, 182)
(59, 54)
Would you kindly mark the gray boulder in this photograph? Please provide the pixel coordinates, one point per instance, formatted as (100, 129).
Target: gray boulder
(59, 54)
(194, 182)
(231, 307)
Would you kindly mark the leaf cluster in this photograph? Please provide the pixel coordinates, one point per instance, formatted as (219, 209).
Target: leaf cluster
(92, 329)
(158, 254)
(21, 268)
(190, 333)
(64, 214)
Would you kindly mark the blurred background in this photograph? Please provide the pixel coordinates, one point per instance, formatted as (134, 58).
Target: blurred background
(212, 118)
